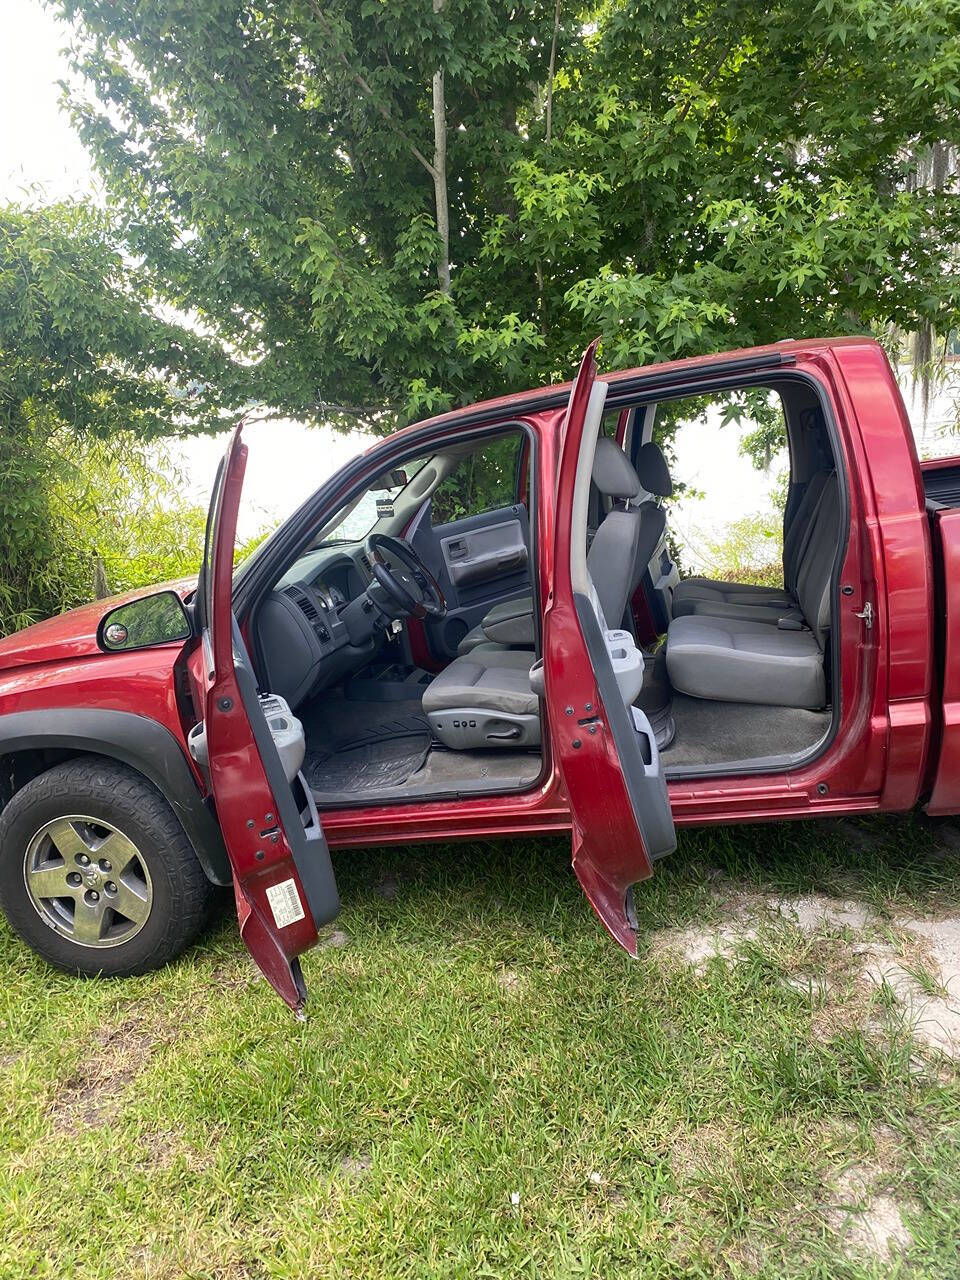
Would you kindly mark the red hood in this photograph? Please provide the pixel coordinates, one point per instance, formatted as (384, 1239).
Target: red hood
(73, 634)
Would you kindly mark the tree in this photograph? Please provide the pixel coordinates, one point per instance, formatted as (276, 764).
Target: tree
(81, 343)
(679, 175)
(87, 372)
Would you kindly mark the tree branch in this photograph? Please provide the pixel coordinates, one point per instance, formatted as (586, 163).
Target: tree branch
(366, 89)
(705, 83)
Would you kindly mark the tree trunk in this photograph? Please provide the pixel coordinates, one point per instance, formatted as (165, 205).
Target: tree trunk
(548, 132)
(440, 171)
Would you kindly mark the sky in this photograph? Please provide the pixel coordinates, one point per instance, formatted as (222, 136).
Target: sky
(37, 144)
(289, 460)
(38, 148)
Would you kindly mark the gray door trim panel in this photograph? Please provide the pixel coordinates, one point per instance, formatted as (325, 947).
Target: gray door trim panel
(311, 854)
(489, 551)
(468, 601)
(633, 737)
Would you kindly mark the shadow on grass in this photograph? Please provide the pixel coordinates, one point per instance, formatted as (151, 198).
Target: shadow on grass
(893, 864)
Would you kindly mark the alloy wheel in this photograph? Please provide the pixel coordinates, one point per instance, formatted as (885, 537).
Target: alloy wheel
(88, 881)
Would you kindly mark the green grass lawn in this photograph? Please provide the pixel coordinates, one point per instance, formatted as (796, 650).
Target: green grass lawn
(487, 1086)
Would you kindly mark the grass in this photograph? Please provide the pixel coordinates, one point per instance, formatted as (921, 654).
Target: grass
(485, 1086)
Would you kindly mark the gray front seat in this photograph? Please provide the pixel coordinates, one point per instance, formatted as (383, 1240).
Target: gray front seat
(510, 623)
(483, 698)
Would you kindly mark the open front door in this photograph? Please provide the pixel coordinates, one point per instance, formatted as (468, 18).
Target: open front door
(604, 746)
(282, 874)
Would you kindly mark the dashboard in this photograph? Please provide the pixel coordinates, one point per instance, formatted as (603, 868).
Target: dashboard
(303, 638)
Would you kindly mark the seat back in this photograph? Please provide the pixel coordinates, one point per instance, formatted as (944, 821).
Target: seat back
(816, 566)
(612, 560)
(654, 476)
(614, 553)
(797, 534)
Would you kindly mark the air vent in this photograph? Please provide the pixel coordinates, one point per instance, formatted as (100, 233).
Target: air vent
(306, 605)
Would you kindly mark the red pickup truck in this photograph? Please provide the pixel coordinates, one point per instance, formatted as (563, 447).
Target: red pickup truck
(413, 657)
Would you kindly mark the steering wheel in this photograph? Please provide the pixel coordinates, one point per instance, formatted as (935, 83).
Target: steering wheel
(413, 588)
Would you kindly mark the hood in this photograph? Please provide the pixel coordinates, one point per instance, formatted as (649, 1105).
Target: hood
(74, 634)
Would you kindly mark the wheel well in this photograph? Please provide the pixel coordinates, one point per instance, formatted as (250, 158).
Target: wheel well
(31, 742)
(18, 767)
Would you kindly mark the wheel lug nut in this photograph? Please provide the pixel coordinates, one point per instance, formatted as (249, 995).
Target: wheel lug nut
(105, 864)
(110, 887)
(83, 860)
(94, 896)
(73, 877)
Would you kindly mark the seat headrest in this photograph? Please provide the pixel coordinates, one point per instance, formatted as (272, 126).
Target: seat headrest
(653, 470)
(612, 472)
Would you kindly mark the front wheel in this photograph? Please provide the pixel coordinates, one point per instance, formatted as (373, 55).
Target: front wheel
(96, 873)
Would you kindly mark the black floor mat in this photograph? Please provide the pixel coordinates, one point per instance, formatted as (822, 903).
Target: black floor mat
(333, 723)
(367, 767)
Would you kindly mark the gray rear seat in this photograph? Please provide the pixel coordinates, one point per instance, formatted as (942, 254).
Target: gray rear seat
(739, 659)
(743, 600)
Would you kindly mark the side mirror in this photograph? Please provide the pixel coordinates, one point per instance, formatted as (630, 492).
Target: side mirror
(156, 619)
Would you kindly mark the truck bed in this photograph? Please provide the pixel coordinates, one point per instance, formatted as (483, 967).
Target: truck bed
(941, 481)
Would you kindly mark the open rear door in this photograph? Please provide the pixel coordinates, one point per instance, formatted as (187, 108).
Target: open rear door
(604, 746)
(282, 874)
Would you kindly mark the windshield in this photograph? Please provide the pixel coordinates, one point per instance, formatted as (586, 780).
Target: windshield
(375, 503)
(357, 519)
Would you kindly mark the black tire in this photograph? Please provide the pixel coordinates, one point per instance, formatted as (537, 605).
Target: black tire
(122, 798)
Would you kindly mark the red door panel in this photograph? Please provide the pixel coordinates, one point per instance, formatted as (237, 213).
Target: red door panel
(609, 763)
(283, 877)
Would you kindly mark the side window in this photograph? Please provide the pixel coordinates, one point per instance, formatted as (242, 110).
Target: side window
(484, 480)
(730, 471)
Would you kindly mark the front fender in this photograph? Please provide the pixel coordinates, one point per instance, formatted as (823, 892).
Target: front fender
(139, 742)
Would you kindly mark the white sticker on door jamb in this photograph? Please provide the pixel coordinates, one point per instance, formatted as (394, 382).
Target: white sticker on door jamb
(285, 903)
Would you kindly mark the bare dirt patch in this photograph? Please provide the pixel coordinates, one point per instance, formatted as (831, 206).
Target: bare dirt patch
(336, 938)
(695, 945)
(701, 1151)
(814, 914)
(93, 1096)
(933, 1012)
(354, 1166)
(867, 1216)
(511, 981)
(919, 965)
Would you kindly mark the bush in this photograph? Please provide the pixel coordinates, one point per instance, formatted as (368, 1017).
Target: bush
(749, 550)
(86, 517)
